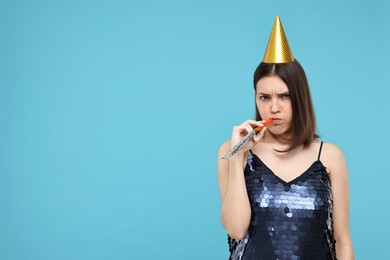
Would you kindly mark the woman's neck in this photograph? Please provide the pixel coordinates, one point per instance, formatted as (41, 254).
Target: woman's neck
(282, 140)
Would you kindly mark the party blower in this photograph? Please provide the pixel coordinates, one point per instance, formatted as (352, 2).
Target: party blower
(244, 140)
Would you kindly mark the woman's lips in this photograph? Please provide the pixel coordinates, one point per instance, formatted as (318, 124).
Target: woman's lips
(276, 120)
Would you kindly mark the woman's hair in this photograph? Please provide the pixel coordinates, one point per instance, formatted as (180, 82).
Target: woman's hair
(303, 126)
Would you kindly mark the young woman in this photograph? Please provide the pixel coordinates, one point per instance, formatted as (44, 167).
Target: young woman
(285, 195)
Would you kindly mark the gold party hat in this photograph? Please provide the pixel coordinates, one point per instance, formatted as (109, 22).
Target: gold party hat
(278, 50)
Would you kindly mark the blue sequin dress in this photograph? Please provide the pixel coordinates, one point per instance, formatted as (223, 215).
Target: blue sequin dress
(290, 220)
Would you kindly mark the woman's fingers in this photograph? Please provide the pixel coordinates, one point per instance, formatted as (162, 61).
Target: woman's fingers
(259, 135)
(240, 130)
(253, 123)
(248, 128)
(262, 132)
(243, 129)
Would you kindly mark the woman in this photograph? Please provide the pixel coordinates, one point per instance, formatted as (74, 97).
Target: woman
(285, 195)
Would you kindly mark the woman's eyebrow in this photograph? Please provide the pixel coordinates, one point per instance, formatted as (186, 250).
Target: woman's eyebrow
(283, 93)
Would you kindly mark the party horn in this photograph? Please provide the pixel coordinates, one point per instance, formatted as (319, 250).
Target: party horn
(244, 140)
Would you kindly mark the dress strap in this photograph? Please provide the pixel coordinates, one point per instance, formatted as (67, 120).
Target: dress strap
(250, 150)
(319, 153)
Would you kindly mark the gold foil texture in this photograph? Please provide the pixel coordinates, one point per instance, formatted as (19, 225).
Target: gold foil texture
(278, 50)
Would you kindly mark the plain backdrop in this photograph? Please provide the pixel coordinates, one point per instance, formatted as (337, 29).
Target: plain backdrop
(112, 113)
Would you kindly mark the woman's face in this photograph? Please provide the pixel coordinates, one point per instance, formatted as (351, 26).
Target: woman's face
(273, 101)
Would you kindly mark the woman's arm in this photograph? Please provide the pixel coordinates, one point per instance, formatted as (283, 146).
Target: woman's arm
(236, 211)
(335, 162)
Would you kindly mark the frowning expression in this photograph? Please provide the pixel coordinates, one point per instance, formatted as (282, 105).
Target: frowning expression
(273, 101)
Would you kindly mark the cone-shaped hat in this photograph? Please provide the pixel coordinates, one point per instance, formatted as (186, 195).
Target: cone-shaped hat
(278, 50)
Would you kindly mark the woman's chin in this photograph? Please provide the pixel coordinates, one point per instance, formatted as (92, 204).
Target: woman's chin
(278, 131)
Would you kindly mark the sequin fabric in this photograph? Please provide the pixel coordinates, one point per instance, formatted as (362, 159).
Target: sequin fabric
(290, 220)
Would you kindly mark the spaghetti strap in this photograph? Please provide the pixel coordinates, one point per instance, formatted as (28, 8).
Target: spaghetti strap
(250, 150)
(319, 153)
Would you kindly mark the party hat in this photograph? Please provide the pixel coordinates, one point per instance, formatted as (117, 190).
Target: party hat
(278, 50)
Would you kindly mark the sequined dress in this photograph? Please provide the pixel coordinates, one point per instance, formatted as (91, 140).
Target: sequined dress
(290, 220)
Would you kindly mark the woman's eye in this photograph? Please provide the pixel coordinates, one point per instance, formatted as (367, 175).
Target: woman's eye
(285, 96)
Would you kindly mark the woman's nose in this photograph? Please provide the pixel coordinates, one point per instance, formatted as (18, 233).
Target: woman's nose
(274, 106)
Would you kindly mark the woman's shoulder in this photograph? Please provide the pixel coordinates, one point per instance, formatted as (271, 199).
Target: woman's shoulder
(330, 149)
(225, 147)
(331, 155)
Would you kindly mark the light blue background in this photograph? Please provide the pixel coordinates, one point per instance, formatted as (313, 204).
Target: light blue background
(112, 113)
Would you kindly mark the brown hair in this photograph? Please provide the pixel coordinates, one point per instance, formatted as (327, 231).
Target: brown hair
(303, 127)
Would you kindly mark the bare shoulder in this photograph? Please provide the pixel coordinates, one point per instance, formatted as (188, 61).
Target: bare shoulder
(333, 157)
(223, 167)
(223, 164)
(332, 151)
(224, 148)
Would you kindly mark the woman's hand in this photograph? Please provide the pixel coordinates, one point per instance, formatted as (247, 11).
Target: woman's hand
(242, 130)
